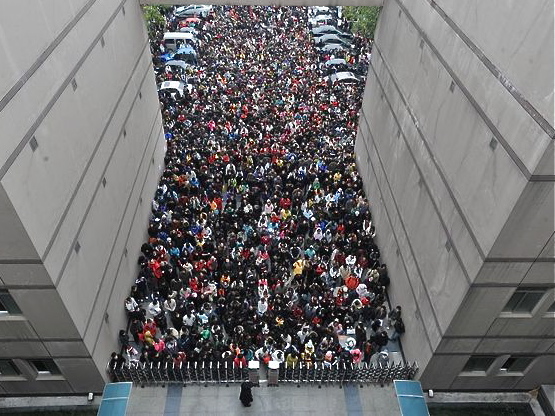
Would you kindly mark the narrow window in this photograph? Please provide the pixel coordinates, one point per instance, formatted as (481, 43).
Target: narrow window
(8, 368)
(45, 367)
(7, 304)
(478, 363)
(517, 364)
(524, 300)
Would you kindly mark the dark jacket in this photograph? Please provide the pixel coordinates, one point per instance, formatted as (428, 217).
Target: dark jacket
(246, 393)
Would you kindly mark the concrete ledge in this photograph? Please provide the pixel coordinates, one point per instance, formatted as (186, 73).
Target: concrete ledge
(546, 398)
(47, 403)
(479, 397)
(456, 398)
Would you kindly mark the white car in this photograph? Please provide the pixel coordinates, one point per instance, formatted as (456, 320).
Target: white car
(202, 10)
(318, 10)
(172, 40)
(335, 63)
(344, 77)
(178, 64)
(175, 87)
(189, 29)
(321, 19)
(332, 47)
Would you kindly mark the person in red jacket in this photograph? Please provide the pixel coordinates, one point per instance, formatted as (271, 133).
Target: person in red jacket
(240, 361)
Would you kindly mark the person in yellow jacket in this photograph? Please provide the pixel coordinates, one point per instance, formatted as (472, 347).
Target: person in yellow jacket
(292, 359)
(298, 267)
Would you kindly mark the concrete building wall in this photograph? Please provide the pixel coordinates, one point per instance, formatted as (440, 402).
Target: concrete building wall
(456, 143)
(82, 149)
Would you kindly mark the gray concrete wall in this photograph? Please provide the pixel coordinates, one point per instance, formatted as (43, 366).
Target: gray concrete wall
(455, 147)
(76, 206)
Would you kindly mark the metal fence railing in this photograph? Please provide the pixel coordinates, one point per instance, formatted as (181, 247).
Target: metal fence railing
(201, 373)
(225, 373)
(347, 373)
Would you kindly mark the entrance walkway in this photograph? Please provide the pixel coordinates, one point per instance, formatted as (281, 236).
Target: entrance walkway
(284, 400)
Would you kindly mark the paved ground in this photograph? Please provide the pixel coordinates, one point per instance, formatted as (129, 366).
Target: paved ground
(286, 400)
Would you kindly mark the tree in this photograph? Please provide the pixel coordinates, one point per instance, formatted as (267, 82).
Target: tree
(154, 19)
(363, 18)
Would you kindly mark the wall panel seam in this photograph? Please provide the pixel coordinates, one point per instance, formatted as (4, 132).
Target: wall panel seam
(29, 287)
(513, 285)
(510, 337)
(496, 352)
(41, 340)
(519, 260)
(20, 261)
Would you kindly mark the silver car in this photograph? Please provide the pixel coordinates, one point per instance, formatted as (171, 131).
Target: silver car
(201, 10)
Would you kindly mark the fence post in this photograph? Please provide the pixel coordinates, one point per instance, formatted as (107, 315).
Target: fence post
(194, 372)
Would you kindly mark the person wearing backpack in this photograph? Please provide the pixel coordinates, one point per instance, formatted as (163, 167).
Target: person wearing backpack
(393, 316)
(380, 338)
(368, 349)
(399, 327)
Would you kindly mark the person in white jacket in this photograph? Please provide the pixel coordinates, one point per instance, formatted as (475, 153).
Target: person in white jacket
(154, 308)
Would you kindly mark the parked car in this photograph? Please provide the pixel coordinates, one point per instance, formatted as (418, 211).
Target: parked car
(187, 54)
(173, 39)
(344, 77)
(331, 30)
(185, 50)
(167, 56)
(183, 28)
(329, 39)
(323, 30)
(332, 47)
(175, 88)
(336, 65)
(335, 62)
(325, 19)
(202, 10)
(318, 11)
(180, 64)
(193, 22)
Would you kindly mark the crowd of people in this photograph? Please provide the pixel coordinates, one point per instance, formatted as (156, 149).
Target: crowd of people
(261, 243)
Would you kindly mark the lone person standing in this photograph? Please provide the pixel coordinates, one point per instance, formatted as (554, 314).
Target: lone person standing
(246, 393)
